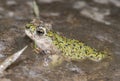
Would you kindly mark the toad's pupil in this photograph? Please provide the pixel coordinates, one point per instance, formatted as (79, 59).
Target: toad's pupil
(40, 32)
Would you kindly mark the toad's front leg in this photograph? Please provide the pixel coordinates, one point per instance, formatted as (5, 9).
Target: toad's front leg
(36, 49)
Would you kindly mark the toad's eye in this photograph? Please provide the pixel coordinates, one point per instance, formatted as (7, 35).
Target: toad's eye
(41, 31)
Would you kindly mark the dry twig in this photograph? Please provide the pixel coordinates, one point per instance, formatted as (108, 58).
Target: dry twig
(8, 61)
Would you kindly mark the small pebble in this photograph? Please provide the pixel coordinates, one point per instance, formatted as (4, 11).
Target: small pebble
(1, 9)
(102, 1)
(48, 1)
(79, 4)
(10, 14)
(2, 46)
(11, 2)
(115, 2)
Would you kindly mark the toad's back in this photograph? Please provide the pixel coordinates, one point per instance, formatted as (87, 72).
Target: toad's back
(75, 49)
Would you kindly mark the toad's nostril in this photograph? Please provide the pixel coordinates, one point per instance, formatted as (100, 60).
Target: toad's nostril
(27, 26)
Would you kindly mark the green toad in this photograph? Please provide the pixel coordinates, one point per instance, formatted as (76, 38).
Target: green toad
(51, 42)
